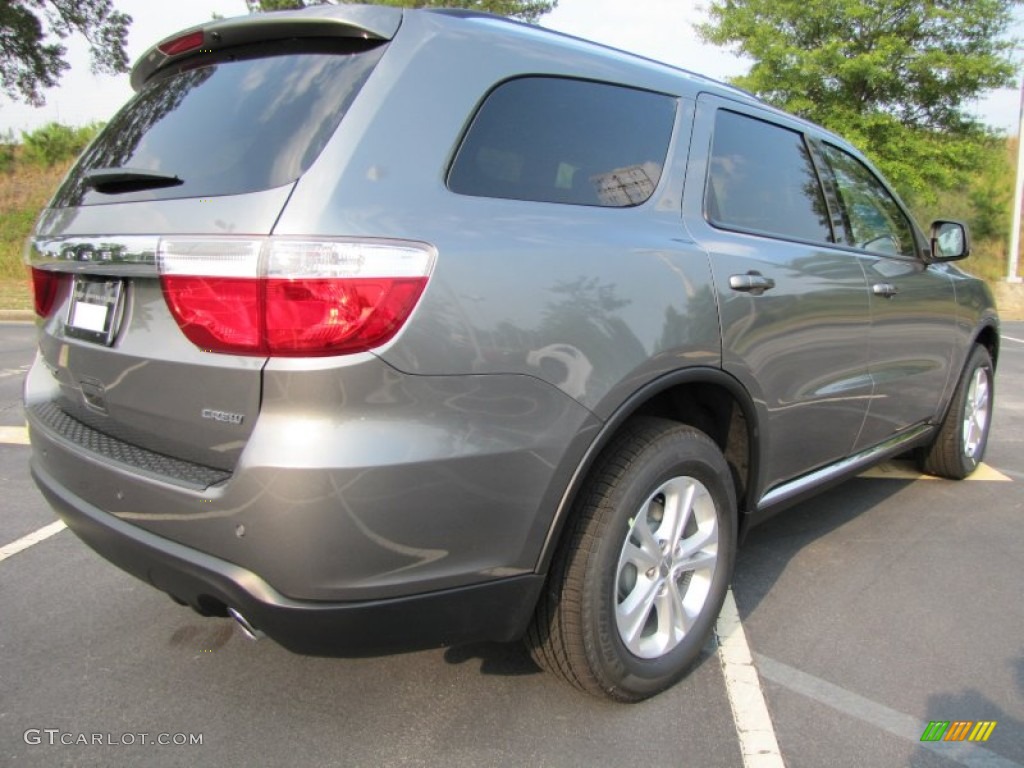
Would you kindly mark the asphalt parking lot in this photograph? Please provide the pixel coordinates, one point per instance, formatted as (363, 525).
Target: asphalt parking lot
(886, 603)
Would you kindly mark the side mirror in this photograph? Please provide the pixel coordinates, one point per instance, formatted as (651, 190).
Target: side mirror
(950, 241)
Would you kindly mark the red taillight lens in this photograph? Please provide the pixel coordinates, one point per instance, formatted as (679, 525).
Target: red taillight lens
(219, 314)
(337, 316)
(46, 287)
(182, 44)
(288, 297)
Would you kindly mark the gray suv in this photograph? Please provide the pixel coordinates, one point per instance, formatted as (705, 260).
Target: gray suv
(381, 329)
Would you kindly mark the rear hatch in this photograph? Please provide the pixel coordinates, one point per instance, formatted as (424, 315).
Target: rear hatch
(150, 264)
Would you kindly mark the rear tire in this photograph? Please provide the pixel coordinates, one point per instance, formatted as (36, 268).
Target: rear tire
(960, 444)
(642, 571)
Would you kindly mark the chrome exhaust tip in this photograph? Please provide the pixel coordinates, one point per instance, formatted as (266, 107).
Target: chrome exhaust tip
(243, 624)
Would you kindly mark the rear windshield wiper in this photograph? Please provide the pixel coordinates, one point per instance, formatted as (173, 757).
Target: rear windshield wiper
(116, 181)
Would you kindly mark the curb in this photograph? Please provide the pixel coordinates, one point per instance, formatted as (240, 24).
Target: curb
(17, 315)
(1009, 300)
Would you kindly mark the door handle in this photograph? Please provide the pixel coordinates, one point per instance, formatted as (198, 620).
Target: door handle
(888, 290)
(752, 282)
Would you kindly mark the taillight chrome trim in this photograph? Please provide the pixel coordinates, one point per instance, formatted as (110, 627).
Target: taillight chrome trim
(138, 256)
(122, 256)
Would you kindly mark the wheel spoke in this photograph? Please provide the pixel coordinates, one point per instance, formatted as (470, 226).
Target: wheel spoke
(970, 427)
(642, 531)
(706, 537)
(673, 620)
(633, 612)
(641, 558)
(698, 561)
(678, 510)
(981, 397)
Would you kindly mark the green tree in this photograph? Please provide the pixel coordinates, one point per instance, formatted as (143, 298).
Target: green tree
(31, 54)
(7, 151)
(55, 143)
(526, 10)
(893, 76)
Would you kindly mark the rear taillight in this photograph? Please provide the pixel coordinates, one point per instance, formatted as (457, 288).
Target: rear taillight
(289, 297)
(46, 288)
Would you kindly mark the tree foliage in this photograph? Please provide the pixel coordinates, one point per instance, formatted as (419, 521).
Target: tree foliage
(7, 151)
(893, 76)
(525, 10)
(31, 54)
(982, 196)
(55, 143)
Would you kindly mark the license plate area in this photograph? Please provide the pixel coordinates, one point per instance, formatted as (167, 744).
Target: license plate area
(95, 310)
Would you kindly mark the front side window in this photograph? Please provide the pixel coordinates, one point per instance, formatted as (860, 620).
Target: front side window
(556, 140)
(874, 220)
(762, 180)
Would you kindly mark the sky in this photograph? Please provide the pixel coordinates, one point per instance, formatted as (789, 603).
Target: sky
(658, 29)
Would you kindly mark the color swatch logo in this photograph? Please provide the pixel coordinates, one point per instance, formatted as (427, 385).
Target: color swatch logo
(958, 730)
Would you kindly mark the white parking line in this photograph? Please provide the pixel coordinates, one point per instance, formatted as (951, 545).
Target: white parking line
(14, 435)
(1010, 338)
(33, 538)
(758, 745)
(892, 721)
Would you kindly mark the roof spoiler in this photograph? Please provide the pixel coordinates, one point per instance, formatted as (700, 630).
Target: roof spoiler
(367, 22)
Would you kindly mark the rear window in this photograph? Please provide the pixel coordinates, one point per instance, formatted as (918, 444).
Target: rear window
(557, 140)
(241, 120)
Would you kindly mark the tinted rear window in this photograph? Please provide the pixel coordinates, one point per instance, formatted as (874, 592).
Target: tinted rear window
(557, 140)
(242, 120)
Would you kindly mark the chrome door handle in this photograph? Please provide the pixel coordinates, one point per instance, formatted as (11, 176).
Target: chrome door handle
(752, 282)
(888, 290)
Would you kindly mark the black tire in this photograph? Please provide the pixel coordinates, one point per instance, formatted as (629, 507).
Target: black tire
(960, 444)
(606, 564)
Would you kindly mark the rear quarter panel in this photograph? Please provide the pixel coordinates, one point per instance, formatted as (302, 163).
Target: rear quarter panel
(595, 301)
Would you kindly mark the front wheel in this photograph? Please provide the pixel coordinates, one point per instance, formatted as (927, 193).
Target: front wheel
(960, 444)
(641, 574)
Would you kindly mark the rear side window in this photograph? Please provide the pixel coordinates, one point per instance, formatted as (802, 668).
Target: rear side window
(557, 140)
(241, 120)
(763, 180)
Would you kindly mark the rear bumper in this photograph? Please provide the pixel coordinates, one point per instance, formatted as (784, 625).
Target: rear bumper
(499, 610)
(357, 483)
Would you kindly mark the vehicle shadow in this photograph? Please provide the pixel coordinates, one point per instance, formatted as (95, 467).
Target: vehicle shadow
(769, 547)
(504, 659)
(761, 559)
(512, 659)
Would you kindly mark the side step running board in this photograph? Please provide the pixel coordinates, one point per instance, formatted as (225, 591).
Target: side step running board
(795, 489)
